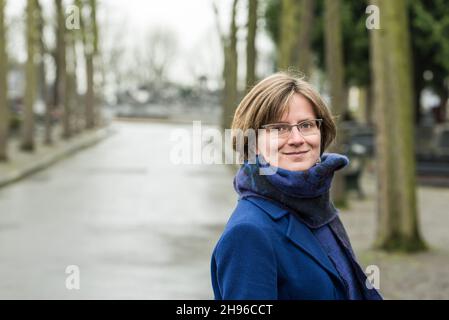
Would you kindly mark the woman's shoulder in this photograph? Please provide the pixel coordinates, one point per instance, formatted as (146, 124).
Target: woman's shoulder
(248, 212)
(244, 237)
(251, 231)
(249, 217)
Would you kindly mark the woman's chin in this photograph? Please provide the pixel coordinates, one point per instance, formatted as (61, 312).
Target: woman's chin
(296, 165)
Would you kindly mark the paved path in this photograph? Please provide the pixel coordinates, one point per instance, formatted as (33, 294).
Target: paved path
(418, 276)
(136, 225)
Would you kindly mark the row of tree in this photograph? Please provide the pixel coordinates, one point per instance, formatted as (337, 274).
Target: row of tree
(428, 23)
(332, 36)
(75, 27)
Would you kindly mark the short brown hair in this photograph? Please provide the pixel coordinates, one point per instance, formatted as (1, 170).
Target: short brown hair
(268, 100)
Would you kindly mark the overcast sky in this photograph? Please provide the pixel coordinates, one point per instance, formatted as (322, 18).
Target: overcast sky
(192, 22)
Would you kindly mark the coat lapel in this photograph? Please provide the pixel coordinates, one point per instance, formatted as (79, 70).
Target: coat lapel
(298, 233)
(302, 237)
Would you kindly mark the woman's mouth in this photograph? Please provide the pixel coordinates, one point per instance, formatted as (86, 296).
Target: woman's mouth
(295, 153)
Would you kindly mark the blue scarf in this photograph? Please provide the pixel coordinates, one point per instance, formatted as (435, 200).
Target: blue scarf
(305, 194)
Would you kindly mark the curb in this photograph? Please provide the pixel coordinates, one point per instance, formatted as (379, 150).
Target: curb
(70, 147)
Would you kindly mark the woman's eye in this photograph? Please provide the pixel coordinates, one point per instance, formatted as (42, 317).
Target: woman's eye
(282, 128)
(307, 125)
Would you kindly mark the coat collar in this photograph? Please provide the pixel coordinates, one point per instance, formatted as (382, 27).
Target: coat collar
(274, 211)
(302, 237)
(298, 233)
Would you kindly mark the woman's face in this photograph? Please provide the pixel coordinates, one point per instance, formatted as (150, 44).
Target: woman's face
(294, 151)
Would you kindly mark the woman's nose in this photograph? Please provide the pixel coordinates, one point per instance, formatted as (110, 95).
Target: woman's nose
(296, 136)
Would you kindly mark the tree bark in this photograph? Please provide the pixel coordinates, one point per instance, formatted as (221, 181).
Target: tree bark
(230, 72)
(288, 30)
(92, 51)
(90, 113)
(43, 88)
(27, 143)
(398, 227)
(304, 50)
(72, 92)
(4, 108)
(61, 66)
(90, 38)
(335, 72)
(251, 54)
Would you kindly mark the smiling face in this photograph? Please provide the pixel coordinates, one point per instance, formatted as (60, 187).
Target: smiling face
(294, 152)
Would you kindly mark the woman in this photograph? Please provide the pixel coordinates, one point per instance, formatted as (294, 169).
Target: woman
(284, 239)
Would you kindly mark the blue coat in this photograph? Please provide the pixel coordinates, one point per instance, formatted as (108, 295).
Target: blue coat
(267, 253)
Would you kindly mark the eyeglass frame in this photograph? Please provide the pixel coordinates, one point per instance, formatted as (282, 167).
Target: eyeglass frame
(320, 121)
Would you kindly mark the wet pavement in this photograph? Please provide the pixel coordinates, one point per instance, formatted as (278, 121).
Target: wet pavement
(136, 225)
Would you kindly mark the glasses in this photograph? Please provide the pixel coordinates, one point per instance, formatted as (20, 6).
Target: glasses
(306, 128)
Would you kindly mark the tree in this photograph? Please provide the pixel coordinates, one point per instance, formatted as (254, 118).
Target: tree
(27, 143)
(291, 24)
(251, 54)
(90, 44)
(304, 50)
(429, 24)
(335, 78)
(230, 66)
(115, 61)
(43, 88)
(4, 110)
(160, 51)
(287, 32)
(92, 64)
(61, 70)
(398, 227)
(71, 81)
(354, 38)
(231, 90)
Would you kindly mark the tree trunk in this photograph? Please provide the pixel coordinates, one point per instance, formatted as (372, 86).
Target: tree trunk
(288, 30)
(335, 72)
(72, 91)
(61, 66)
(230, 72)
(27, 143)
(398, 227)
(4, 108)
(83, 114)
(251, 54)
(90, 115)
(304, 50)
(90, 38)
(43, 89)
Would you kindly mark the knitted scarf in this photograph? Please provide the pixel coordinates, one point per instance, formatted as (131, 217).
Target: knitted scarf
(306, 193)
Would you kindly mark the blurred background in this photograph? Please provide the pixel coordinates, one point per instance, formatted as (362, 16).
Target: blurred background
(93, 92)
